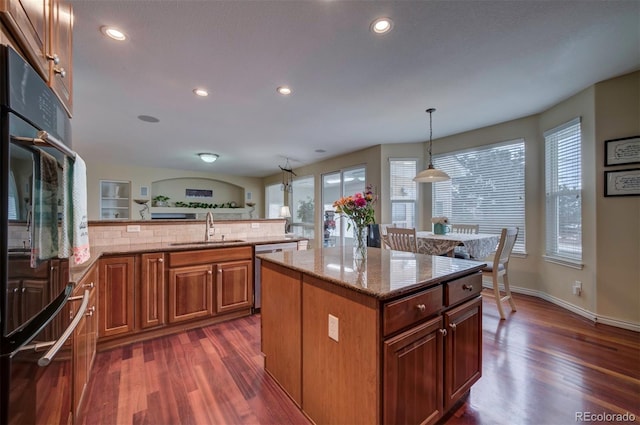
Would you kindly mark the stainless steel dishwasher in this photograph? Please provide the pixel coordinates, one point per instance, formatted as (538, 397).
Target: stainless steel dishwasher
(266, 249)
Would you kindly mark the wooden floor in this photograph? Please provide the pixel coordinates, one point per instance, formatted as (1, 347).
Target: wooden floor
(543, 365)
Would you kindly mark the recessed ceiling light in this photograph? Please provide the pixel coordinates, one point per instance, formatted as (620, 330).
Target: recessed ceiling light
(201, 92)
(208, 157)
(382, 25)
(113, 33)
(284, 90)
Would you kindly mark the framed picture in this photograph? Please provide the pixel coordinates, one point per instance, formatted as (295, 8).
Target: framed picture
(622, 182)
(622, 151)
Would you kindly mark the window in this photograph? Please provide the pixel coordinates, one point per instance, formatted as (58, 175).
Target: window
(486, 188)
(403, 192)
(303, 207)
(563, 183)
(274, 200)
(335, 186)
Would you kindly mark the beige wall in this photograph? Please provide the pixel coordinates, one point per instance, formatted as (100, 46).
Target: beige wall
(145, 176)
(617, 274)
(556, 281)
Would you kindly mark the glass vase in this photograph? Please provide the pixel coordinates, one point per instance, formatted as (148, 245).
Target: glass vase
(360, 243)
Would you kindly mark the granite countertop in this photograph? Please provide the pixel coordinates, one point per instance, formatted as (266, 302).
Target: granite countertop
(385, 274)
(76, 273)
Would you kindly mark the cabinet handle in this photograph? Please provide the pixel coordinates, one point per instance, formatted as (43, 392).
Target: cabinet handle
(90, 311)
(453, 326)
(24, 290)
(89, 285)
(443, 332)
(60, 71)
(160, 260)
(15, 290)
(209, 272)
(421, 308)
(54, 58)
(467, 287)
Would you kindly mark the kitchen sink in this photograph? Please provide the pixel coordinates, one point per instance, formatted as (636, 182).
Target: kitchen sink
(226, 241)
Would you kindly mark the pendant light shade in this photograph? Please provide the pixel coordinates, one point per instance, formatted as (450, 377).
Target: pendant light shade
(431, 174)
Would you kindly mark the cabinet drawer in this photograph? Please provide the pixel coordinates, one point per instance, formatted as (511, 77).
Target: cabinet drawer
(462, 289)
(406, 311)
(208, 256)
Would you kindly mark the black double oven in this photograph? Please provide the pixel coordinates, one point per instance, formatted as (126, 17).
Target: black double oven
(35, 354)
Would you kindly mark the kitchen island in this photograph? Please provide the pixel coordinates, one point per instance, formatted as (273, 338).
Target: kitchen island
(394, 339)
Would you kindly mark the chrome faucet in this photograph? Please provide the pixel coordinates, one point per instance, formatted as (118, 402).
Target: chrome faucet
(209, 227)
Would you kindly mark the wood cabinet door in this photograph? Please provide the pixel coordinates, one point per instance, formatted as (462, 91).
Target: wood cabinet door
(28, 21)
(61, 46)
(190, 293)
(152, 290)
(234, 289)
(412, 370)
(463, 349)
(80, 359)
(116, 296)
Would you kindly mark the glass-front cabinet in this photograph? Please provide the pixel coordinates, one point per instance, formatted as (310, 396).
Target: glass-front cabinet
(115, 199)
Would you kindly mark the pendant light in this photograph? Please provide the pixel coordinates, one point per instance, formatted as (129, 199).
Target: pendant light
(431, 175)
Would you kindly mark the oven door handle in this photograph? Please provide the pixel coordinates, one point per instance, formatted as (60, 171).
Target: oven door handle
(46, 359)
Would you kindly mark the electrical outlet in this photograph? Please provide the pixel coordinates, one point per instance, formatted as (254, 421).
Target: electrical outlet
(577, 288)
(333, 328)
(255, 225)
(133, 228)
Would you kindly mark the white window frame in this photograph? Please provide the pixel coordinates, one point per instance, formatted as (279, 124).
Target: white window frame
(410, 195)
(563, 193)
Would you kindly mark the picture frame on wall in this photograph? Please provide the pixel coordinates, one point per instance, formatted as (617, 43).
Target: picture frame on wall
(622, 151)
(622, 182)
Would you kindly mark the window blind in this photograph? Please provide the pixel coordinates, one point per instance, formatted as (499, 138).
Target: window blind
(486, 188)
(403, 192)
(563, 189)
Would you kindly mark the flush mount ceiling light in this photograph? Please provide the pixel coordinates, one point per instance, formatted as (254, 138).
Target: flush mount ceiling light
(431, 175)
(200, 92)
(113, 33)
(208, 157)
(284, 90)
(382, 25)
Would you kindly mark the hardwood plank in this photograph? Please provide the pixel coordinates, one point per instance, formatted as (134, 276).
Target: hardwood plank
(541, 366)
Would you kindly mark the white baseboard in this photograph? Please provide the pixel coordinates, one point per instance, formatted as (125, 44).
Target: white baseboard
(572, 308)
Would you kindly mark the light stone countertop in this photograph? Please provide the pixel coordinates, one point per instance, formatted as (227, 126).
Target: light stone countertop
(385, 274)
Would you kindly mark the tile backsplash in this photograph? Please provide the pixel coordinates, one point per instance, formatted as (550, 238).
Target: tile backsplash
(139, 232)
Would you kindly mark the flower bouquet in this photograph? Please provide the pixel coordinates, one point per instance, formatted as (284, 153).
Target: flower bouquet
(359, 209)
(440, 220)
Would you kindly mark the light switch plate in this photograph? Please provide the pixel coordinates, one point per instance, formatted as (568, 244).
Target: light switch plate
(255, 225)
(133, 228)
(333, 328)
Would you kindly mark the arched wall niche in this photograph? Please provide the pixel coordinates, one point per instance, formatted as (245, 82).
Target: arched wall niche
(176, 189)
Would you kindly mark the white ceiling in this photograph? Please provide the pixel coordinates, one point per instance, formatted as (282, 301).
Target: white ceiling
(478, 62)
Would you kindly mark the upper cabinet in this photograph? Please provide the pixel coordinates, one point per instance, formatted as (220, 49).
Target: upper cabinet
(60, 52)
(43, 31)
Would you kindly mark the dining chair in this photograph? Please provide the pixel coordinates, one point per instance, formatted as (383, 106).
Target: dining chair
(500, 267)
(401, 239)
(465, 228)
(461, 251)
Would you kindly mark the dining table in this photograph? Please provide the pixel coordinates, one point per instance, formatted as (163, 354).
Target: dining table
(478, 245)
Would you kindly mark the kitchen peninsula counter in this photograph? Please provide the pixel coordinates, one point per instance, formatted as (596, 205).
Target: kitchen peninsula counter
(393, 339)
